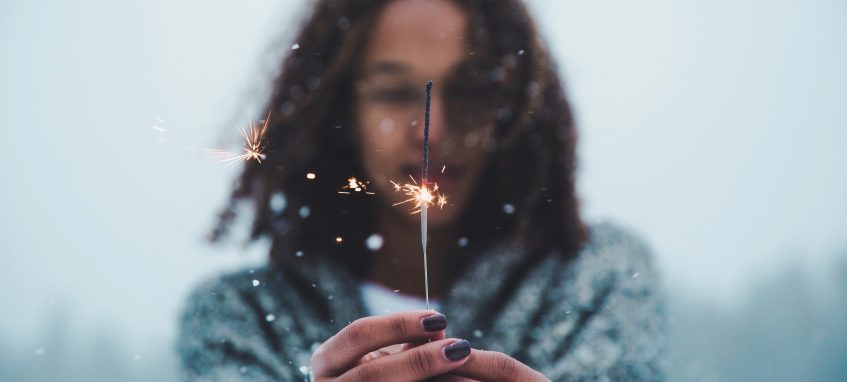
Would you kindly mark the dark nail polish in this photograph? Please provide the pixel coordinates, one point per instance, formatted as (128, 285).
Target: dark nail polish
(434, 322)
(457, 350)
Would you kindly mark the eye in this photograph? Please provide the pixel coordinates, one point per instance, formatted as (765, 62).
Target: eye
(468, 92)
(471, 95)
(395, 95)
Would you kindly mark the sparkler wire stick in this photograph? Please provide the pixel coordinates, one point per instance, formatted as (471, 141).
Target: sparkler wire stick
(425, 173)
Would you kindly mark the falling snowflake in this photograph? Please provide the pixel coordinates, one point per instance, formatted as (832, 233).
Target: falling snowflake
(374, 242)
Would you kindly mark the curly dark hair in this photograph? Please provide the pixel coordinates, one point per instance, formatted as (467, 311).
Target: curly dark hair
(508, 73)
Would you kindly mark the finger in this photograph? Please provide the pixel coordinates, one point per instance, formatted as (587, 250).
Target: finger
(345, 348)
(438, 336)
(492, 366)
(452, 378)
(388, 350)
(427, 360)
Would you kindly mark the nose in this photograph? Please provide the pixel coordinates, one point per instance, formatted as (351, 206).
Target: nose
(436, 120)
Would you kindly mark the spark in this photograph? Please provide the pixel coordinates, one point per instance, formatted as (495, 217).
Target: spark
(354, 185)
(443, 168)
(420, 196)
(310, 176)
(254, 146)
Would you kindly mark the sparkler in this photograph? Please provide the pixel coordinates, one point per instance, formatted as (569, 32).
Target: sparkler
(420, 195)
(425, 178)
(254, 146)
(354, 185)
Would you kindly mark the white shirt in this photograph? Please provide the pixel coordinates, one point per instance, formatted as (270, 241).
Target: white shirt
(380, 300)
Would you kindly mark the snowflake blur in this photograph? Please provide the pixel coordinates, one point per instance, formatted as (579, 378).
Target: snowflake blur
(254, 146)
(159, 128)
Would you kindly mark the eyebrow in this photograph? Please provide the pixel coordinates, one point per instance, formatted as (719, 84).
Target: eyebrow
(386, 67)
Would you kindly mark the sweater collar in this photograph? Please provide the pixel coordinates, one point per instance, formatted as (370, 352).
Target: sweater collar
(479, 284)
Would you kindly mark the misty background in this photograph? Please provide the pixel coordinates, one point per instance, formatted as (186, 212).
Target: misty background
(716, 130)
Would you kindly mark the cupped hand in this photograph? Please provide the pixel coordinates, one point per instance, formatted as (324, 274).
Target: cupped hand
(492, 366)
(407, 346)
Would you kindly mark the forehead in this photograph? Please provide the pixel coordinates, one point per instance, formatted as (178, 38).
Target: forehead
(423, 37)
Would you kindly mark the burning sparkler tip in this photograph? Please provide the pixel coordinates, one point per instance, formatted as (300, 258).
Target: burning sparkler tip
(354, 185)
(254, 146)
(420, 196)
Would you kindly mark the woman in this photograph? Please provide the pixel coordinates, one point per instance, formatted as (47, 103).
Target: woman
(531, 293)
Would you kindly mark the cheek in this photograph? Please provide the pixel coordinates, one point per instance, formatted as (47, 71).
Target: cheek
(380, 128)
(380, 142)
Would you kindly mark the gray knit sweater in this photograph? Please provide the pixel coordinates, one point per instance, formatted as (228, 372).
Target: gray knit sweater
(599, 316)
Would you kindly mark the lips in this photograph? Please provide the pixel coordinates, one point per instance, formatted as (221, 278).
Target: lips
(410, 169)
(445, 181)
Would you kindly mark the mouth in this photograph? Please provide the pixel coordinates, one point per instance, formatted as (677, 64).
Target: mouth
(445, 176)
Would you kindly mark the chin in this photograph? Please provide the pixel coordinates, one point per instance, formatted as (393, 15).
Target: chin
(439, 218)
(436, 218)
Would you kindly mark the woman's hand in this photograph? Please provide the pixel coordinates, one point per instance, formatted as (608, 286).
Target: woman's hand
(492, 366)
(393, 348)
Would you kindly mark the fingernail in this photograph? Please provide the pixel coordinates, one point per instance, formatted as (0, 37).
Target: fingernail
(457, 350)
(434, 322)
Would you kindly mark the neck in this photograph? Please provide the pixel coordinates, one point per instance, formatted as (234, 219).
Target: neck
(400, 263)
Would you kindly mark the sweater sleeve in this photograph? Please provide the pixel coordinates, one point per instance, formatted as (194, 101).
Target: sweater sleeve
(223, 337)
(614, 318)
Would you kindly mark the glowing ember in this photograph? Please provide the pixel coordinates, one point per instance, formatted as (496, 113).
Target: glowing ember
(254, 146)
(420, 195)
(354, 185)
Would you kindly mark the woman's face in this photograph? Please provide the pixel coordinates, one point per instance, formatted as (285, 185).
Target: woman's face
(413, 42)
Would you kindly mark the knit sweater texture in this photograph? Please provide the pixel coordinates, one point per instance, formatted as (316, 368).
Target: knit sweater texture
(598, 316)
